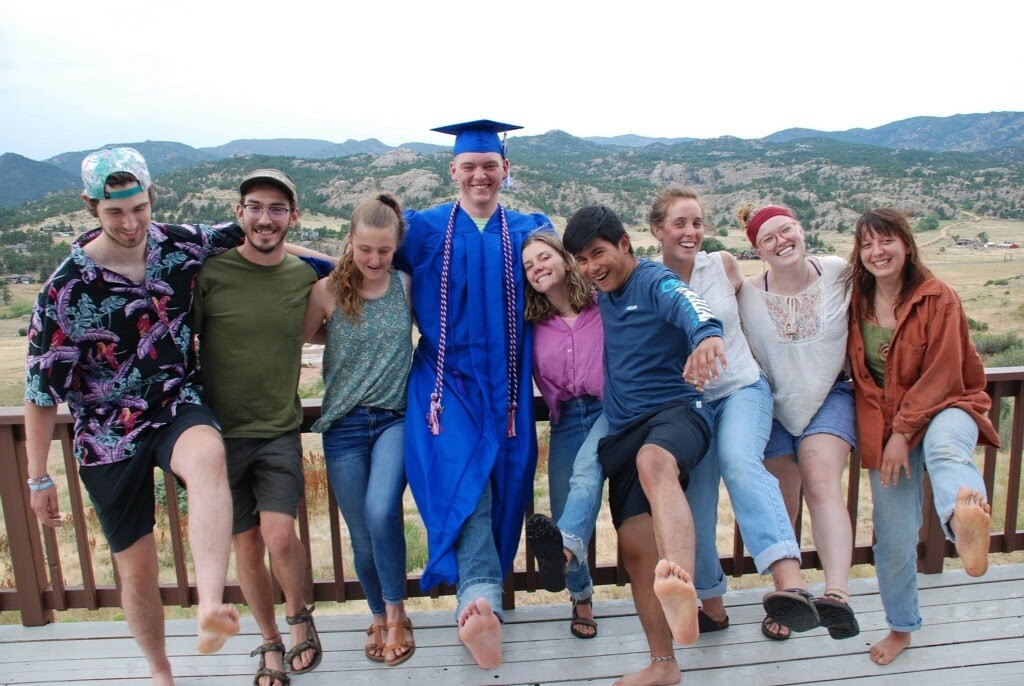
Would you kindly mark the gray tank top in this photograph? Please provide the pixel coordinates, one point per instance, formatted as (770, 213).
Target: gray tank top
(366, 362)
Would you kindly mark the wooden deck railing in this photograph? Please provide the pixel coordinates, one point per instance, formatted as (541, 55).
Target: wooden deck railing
(32, 552)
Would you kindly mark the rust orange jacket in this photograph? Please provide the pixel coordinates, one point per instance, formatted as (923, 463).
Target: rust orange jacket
(931, 365)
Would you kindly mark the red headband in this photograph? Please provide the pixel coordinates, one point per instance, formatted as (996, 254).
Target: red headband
(763, 215)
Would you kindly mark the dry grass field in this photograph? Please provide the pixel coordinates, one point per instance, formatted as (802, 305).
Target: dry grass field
(990, 282)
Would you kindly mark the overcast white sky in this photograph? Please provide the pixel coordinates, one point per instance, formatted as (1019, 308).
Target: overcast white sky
(77, 75)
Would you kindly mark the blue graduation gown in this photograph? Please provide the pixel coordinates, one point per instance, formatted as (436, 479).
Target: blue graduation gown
(447, 472)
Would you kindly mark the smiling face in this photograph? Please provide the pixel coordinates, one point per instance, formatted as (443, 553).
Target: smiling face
(373, 249)
(265, 233)
(606, 264)
(883, 255)
(479, 175)
(780, 241)
(682, 232)
(545, 268)
(124, 221)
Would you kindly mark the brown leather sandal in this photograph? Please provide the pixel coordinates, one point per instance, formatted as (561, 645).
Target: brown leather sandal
(581, 621)
(401, 641)
(374, 648)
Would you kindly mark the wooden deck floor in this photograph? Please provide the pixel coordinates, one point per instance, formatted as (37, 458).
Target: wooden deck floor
(974, 633)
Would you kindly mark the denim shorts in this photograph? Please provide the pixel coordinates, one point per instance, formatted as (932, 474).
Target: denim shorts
(836, 416)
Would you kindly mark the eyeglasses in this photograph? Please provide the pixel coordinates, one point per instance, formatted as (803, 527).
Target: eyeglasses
(276, 212)
(769, 242)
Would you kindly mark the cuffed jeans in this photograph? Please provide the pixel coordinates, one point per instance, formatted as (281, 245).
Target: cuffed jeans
(575, 482)
(476, 556)
(366, 470)
(946, 453)
(743, 422)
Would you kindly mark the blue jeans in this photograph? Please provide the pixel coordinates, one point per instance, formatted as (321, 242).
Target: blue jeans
(366, 470)
(476, 557)
(742, 421)
(575, 482)
(946, 453)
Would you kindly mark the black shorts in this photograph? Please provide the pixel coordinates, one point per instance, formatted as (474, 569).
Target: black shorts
(122, 492)
(265, 474)
(674, 427)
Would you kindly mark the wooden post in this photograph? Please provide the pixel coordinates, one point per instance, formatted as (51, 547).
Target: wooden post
(27, 560)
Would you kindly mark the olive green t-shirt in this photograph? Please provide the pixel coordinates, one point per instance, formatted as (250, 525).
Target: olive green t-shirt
(249, 321)
(876, 348)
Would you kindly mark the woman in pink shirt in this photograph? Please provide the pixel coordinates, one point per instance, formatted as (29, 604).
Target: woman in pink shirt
(568, 368)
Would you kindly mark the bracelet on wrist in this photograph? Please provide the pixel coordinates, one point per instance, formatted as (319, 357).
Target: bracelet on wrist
(40, 479)
(41, 486)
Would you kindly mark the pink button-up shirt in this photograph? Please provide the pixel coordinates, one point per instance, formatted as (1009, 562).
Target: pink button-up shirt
(568, 361)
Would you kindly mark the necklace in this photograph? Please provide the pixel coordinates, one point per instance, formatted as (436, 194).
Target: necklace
(565, 311)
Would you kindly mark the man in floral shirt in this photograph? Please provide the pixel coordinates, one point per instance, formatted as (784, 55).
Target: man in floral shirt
(111, 336)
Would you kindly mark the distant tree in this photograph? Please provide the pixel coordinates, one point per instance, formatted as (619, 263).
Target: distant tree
(983, 237)
(5, 294)
(929, 223)
(713, 245)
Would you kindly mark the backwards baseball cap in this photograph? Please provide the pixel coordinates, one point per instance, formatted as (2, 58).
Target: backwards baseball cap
(98, 166)
(274, 177)
(478, 136)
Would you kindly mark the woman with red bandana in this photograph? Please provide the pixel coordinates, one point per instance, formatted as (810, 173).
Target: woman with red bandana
(795, 318)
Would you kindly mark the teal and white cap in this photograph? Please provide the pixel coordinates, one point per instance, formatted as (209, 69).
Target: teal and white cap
(98, 166)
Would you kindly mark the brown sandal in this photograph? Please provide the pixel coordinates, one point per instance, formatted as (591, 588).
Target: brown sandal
(582, 621)
(400, 642)
(270, 646)
(374, 644)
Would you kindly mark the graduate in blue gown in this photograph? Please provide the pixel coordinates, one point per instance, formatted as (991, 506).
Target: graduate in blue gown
(470, 439)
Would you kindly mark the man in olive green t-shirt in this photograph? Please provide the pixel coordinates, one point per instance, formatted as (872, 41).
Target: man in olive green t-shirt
(249, 309)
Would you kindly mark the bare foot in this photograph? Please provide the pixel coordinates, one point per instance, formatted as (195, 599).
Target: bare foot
(970, 525)
(480, 631)
(162, 677)
(216, 625)
(678, 597)
(662, 673)
(886, 650)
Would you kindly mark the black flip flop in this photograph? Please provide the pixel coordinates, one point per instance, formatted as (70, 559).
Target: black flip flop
(792, 608)
(708, 625)
(545, 539)
(837, 616)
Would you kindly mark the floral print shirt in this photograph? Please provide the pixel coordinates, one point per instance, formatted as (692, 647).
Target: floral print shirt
(117, 351)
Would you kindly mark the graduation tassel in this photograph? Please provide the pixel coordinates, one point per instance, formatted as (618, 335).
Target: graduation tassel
(434, 416)
(511, 429)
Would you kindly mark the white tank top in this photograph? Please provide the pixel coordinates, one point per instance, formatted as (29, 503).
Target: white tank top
(798, 340)
(711, 282)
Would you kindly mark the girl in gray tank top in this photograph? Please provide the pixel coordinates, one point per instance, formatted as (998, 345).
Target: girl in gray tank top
(361, 312)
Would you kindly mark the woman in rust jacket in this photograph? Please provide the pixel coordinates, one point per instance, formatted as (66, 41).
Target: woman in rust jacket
(919, 388)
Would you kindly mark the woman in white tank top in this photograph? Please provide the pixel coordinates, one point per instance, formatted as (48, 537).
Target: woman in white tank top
(795, 317)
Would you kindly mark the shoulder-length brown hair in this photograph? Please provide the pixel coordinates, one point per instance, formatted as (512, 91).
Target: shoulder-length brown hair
(380, 212)
(581, 292)
(883, 221)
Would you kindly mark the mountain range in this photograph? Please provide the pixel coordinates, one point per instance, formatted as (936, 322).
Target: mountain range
(924, 164)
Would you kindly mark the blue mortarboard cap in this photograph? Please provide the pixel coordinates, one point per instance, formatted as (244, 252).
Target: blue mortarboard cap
(478, 136)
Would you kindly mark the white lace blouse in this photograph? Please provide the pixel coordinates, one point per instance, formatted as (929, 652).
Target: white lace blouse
(799, 341)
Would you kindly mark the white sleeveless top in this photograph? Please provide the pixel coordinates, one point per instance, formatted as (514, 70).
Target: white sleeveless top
(799, 341)
(711, 282)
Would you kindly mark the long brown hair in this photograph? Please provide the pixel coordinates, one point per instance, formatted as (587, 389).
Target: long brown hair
(380, 212)
(883, 221)
(580, 291)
